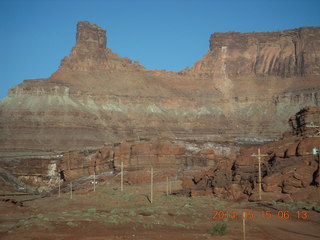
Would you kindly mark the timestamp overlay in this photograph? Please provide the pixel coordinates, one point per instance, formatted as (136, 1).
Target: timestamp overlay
(262, 214)
(259, 223)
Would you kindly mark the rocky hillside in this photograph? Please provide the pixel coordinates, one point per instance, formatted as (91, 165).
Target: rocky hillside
(244, 89)
(289, 167)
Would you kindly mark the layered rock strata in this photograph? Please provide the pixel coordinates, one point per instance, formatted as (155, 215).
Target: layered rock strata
(40, 173)
(244, 89)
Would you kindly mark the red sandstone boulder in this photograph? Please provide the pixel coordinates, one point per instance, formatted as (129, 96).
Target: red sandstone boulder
(266, 196)
(304, 174)
(271, 188)
(291, 181)
(310, 194)
(220, 192)
(306, 145)
(235, 191)
(273, 180)
(290, 189)
(201, 193)
(187, 182)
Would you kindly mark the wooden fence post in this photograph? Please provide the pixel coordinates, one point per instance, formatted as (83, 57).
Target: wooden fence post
(151, 198)
(167, 186)
(71, 190)
(244, 216)
(94, 181)
(259, 177)
(59, 188)
(121, 184)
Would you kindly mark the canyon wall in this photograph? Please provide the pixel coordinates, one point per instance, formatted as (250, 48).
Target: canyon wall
(244, 89)
(40, 172)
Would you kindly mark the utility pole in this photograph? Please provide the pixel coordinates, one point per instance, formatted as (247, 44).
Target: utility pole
(259, 166)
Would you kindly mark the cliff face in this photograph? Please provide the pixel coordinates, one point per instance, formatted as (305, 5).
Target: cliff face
(246, 87)
(284, 53)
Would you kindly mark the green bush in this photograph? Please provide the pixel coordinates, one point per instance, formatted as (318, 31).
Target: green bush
(218, 229)
(71, 224)
(92, 210)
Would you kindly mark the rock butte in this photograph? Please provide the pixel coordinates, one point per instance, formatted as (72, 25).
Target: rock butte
(244, 89)
(99, 110)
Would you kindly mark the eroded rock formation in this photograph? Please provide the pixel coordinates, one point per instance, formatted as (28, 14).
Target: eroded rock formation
(40, 173)
(244, 89)
(289, 167)
(282, 53)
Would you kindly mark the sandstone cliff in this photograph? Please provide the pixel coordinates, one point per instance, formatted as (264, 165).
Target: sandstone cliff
(245, 88)
(284, 53)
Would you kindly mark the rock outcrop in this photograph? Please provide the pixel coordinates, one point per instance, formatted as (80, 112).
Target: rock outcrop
(90, 53)
(306, 122)
(40, 173)
(289, 53)
(244, 89)
(289, 169)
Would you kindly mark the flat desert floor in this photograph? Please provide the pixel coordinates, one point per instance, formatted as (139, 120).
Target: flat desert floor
(108, 213)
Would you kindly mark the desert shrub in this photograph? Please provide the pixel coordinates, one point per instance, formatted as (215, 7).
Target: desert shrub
(71, 224)
(113, 222)
(91, 210)
(217, 229)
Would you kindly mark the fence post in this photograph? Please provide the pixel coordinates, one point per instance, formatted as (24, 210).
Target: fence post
(167, 186)
(59, 189)
(244, 215)
(151, 198)
(94, 181)
(121, 187)
(71, 190)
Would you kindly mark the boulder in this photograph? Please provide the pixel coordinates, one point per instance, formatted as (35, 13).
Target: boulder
(271, 188)
(305, 175)
(292, 181)
(266, 196)
(235, 191)
(290, 189)
(273, 179)
(201, 193)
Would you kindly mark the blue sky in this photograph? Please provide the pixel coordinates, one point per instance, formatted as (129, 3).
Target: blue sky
(167, 34)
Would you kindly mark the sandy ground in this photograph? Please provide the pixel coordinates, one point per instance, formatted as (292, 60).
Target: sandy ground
(109, 213)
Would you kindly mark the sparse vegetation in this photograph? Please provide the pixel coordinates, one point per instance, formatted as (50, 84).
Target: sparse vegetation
(92, 210)
(72, 224)
(113, 222)
(218, 229)
(292, 206)
(180, 225)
